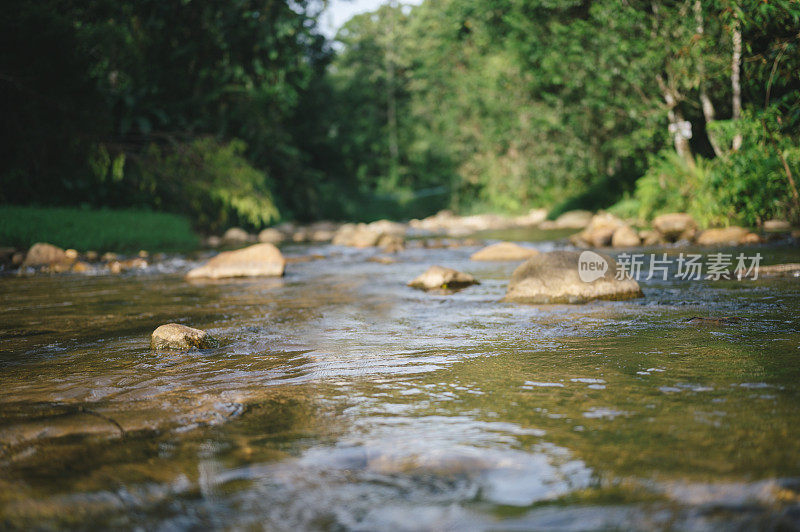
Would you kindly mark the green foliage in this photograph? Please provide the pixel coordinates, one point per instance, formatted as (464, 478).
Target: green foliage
(212, 183)
(100, 230)
(232, 112)
(745, 186)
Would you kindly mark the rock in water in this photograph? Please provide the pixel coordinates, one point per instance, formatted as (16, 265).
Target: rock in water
(271, 236)
(599, 232)
(555, 278)
(730, 236)
(42, 254)
(260, 260)
(236, 235)
(438, 277)
(504, 251)
(176, 336)
(625, 237)
(675, 226)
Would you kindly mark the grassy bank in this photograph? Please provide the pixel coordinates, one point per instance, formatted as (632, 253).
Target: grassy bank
(101, 230)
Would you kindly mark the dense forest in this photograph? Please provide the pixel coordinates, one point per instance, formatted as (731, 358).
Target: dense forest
(241, 112)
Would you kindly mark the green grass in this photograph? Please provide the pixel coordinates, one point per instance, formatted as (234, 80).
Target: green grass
(99, 230)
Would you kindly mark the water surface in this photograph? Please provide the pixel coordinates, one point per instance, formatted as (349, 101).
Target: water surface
(341, 399)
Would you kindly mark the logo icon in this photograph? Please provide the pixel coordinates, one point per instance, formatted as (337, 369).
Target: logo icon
(591, 266)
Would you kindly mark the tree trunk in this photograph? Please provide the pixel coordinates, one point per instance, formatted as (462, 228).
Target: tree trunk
(676, 122)
(735, 81)
(708, 107)
(391, 99)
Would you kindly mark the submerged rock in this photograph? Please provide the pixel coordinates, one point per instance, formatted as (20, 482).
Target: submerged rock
(727, 236)
(438, 277)
(675, 226)
(45, 255)
(260, 260)
(555, 278)
(176, 336)
(777, 270)
(504, 251)
(718, 320)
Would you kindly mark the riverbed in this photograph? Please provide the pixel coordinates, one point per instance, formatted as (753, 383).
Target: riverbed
(341, 399)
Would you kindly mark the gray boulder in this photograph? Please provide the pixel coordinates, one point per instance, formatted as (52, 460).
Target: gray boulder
(555, 278)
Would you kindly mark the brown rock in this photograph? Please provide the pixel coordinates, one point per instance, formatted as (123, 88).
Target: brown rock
(625, 237)
(92, 256)
(555, 278)
(504, 251)
(119, 266)
(176, 336)
(651, 238)
(571, 220)
(271, 235)
(42, 255)
(359, 236)
(599, 232)
(81, 267)
(260, 260)
(438, 277)
(391, 243)
(777, 226)
(236, 235)
(675, 226)
(727, 236)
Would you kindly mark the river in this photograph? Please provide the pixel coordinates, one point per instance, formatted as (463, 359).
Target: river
(341, 399)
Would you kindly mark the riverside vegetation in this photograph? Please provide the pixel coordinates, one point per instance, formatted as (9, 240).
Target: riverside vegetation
(243, 114)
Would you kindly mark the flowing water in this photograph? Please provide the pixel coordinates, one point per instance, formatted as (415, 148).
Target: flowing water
(341, 399)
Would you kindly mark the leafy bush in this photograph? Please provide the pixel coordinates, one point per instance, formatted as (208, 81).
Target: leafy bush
(211, 182)
(744, 186)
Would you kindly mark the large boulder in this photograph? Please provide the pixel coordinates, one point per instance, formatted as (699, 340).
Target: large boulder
(438, 277)
(726, 236)
(555, 277)
(176, 336)
(504, 251)
(675, 226)
(260, 260)
(45, 255)
(599, 232)
(625, 237)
